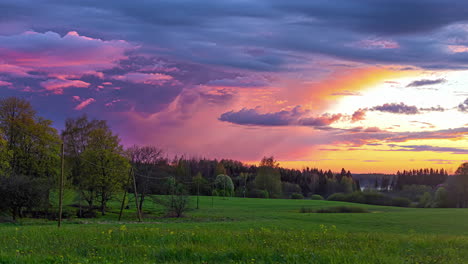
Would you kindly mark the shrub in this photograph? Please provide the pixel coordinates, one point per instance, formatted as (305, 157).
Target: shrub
(356, 197)
(306, 210)
(343, 209)
(335, 209)
(316, 197)
(441, 198)
(401, 202)
(297, 196)
(337, 197)
(256, 193)
(177, 203)
(425, 200)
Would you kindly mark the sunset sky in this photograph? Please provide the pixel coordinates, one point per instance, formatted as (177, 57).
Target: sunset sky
(372, 86)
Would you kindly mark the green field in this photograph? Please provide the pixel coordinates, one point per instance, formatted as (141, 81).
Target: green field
(237, 230)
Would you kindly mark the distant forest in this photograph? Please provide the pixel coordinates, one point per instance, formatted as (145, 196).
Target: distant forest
(94, 164)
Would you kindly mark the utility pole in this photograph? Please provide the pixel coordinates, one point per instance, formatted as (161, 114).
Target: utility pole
(136, 195)
(198, 192)
(123, 199)
(61, 187)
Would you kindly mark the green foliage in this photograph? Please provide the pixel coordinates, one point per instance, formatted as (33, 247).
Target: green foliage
(458, 187)
(316, 197)
(414, 192)
(224, 186)
(177, 203)
(441, 199)
(297, 196)
(29, 146)
(105, 169)
(425, 200)
(18, 193)
(401, 202)
(268, 177)
(367, 197)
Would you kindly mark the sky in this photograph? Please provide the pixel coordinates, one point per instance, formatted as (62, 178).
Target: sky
(368, 85)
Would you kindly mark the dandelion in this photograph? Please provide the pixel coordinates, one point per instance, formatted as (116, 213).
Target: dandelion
(123, 228)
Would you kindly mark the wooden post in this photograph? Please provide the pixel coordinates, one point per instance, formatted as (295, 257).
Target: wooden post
(136, 195)
(61, 188)
(123, 199)
(198, 192)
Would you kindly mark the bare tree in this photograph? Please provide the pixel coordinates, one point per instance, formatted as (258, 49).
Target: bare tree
(144, 160)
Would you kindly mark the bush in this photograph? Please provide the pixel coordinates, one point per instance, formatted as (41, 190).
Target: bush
(401, 202)
(337, 197)
(343, 209)
(297, 196)
(306, 210)
(370, 197)
(356, 197)
(86, 214)
(425, 200)
(336, 209)
(316, 197)
(256, 193)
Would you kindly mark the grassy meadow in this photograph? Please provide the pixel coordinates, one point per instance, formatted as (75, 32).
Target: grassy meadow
(243, 230)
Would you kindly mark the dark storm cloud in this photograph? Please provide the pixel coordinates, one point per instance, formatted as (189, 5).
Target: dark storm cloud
(218, 32)
(425, 82)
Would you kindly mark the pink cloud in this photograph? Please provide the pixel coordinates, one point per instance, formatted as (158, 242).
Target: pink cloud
(85, 103)
(57, 85)
(146, 78)
(3, 83)
(71, 55)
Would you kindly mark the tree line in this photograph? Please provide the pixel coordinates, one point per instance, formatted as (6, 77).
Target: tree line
(98, 167)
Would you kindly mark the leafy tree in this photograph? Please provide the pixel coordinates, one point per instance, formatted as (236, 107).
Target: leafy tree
(32, 145)
(268, 177)
(459, 186)
(105, 169)
(425, 200)
(441, 198)
(5, 156)
(224, 185)
(20, 192)
(220, 169)
(29, 154)
(198, 179)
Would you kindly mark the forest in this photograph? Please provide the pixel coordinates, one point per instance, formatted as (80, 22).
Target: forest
(88, 158)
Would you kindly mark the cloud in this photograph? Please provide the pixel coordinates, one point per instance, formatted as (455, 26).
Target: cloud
(433, 109)
(3, 83)
(429, 148)
(85, 103)
(425, 82)
(146, 78)
(293, 117)
(56, 55)
(253, 117)
(363, 136)
(347, 93)
(395, 108)
(463, 107)
(57, 85)
(358, 115)
(321, 121)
